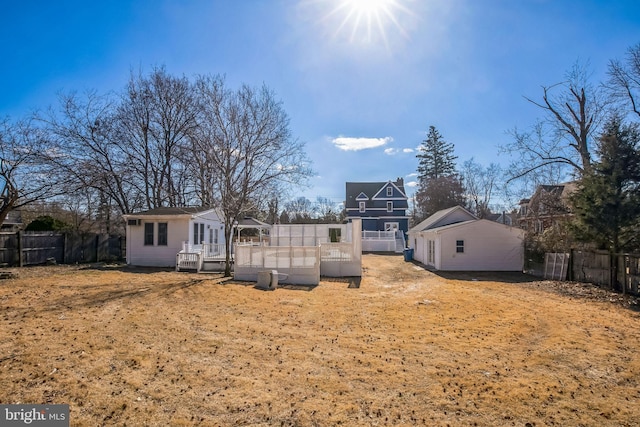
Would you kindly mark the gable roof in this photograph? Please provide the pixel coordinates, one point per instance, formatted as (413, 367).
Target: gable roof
(250, 222)
(484, 222)
(398, 185)
(355, 191)
(189, 211)
(556, 194)
(444, 217)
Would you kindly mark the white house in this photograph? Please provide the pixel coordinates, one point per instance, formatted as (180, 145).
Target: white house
(156, 236)
(456, 240)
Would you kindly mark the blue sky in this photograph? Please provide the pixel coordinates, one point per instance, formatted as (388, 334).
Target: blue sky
(360, 96)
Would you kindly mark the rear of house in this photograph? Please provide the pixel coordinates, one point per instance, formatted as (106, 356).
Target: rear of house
(381, 206)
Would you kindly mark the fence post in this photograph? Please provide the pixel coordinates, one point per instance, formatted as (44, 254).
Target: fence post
(570, 266)
(20, 251)
(612, 280)
(64, 248)
(623, 258)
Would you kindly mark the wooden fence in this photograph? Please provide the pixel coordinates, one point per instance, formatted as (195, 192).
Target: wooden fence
(620, 272)
(32, 248)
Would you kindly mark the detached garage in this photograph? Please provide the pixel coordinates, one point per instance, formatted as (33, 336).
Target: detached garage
(455, 240)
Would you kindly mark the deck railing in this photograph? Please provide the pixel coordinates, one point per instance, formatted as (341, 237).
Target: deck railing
(188, 261)
(378, 235)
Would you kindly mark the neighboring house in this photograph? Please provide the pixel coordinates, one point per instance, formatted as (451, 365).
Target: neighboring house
(382, 206)
(455, 240)
(156, 236)
(505, 218)
(548, 206)
(13, 221)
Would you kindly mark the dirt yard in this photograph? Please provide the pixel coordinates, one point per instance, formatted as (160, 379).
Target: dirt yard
(403, 346)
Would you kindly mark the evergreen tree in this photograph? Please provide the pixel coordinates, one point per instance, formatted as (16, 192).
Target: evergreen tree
(435, 157)
(607, 205)
(440, 186)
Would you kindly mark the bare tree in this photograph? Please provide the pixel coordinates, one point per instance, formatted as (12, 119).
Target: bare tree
(88, 153)
(155, 118)
(573, 111)
(326, 210)
(23, 177)
(246, 147)
(624, 79)
(480, 184)
(300, 210)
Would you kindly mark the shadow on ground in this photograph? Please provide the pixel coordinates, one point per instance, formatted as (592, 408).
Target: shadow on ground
(484, 276)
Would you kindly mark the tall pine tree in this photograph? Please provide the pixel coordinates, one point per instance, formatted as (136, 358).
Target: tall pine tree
(440, 185)
(607, 204)
(435, 157)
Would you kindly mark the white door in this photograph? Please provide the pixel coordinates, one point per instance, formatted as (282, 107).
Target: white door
(391, 226)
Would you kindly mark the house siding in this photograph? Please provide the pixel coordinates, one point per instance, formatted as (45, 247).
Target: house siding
(374, 195)
(179, 230)
(488, 246)
(153, 255)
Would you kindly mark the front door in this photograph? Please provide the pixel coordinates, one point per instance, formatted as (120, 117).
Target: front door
(391, 226)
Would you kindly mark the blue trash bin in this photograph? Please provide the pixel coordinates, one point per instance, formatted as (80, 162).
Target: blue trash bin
(408, 254)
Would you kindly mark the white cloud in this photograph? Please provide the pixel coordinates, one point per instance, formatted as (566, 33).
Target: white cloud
(411, 184)
(412, 175)
(390, 151)
(357, 144)
(407, 150)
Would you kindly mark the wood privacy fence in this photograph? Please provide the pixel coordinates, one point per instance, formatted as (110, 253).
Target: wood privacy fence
(620, 272)
(22, 248)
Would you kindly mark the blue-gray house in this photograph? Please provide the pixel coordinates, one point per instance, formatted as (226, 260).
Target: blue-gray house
(382, 206)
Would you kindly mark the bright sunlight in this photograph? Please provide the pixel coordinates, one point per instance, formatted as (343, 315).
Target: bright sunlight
(369, 21)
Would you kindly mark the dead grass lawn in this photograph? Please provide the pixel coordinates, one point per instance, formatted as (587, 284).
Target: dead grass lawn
(408, 347)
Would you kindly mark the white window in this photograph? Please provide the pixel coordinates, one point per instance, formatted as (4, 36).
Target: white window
(389, 206)
(148, 233)
(198, 233)
(389, 191)
(362, 207)
(460, 246)
(163, 234)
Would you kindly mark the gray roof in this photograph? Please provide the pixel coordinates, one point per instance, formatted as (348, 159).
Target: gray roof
(174, 211)
(248, 222)
(370, 189)
(440, 219)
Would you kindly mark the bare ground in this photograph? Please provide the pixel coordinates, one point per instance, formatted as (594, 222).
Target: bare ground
(402, 346)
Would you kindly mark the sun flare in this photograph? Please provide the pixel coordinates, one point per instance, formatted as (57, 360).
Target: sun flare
(369, 21)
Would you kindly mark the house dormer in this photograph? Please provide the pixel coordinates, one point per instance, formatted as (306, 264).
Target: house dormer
(381, 205)
(391, 191)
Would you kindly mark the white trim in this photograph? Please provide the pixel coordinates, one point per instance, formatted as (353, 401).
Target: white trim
(385, 186)
(395, 208)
